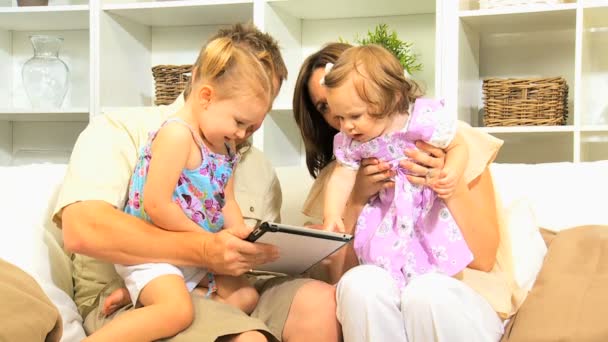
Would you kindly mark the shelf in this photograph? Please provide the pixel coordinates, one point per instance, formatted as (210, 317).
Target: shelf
(184, 13)
(590, 128)
(42, 18)
(323, 9)
(528, 129)
(595, 4)
(75, 114)
(521, 19)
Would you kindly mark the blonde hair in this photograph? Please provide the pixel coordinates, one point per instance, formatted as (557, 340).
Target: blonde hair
(234, 70)
(259, 43)
(378, 78)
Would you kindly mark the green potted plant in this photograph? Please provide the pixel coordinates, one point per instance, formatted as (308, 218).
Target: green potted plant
(389, 40)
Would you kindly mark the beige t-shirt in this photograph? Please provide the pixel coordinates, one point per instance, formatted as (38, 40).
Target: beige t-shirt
(498, 286)
(101, 166)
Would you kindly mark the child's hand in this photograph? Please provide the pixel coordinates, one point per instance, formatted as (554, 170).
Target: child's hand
(333, 225)
(445, 184)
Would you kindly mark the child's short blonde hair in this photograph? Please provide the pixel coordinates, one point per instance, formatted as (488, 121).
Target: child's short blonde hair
(378, 78)
(234, 70)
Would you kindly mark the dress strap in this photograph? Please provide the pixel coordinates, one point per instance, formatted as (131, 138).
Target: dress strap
(195, 136)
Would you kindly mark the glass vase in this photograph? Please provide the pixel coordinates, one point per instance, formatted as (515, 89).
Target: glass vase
(45, 75)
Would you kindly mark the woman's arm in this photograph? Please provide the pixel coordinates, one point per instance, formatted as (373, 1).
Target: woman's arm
(474, 209)
(473, 206)
(171, 150)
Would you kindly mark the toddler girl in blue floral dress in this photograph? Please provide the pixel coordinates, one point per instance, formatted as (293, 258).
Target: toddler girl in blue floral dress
(183, 182)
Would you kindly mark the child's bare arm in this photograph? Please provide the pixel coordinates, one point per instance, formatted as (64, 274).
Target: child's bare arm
(456, 160)
(337, 192)
(233, 217)
(170, 151)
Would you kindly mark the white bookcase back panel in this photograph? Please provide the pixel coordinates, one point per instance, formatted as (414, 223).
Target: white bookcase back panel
(52, 17)
(594, 146)
(323, 9)
(6, 68)
(74, 52)
(182, 13)
(520, 45)
(594, 77)
(52, 3)
(37, 142)
(132, 44)
(534, 148)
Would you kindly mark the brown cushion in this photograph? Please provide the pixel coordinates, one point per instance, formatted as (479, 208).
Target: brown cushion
(569, 301)
(26, 313)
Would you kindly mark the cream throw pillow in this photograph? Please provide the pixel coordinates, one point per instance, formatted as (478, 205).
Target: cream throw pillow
(527, 243)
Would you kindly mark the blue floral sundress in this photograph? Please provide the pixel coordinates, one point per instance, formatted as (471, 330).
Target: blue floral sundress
(200, 194)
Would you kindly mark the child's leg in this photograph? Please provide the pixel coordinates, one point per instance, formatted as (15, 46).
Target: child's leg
(116, 300)
(167, 310)
(236, 291)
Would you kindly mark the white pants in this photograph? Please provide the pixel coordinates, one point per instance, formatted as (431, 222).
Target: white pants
(432, 308)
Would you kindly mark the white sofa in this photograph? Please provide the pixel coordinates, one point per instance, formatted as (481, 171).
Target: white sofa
(554, 196)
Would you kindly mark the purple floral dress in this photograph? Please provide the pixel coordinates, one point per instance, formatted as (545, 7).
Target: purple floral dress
(200, 194)
(407, 230)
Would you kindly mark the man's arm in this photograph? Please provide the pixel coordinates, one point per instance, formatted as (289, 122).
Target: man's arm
(95, 185)
(97, 229)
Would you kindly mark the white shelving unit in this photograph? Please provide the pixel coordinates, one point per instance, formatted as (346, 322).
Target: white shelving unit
(111, 45)
(42, 134)
(569, 40)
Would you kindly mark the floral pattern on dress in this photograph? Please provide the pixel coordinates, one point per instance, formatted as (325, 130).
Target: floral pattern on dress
(199, 192)
(407, 229)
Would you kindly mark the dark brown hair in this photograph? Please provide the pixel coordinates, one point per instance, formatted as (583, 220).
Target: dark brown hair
(317, 134)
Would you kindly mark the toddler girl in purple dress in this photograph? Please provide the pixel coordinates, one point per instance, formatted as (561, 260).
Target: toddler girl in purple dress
(407, 229)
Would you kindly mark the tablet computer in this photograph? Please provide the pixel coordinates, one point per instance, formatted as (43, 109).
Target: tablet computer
(300, 248)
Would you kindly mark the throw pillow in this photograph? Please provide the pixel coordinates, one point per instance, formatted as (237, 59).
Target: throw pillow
(568, 302)
(528, 246)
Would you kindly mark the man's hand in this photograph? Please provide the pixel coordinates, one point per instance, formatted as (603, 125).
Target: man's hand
(228, 253)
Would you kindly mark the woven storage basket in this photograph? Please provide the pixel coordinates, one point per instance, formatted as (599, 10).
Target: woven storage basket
(525, 102)
(169, 82)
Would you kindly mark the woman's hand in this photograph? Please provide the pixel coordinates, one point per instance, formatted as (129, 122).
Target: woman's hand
(426, 167)
(428, 160)
(229, 254)
(372, 177)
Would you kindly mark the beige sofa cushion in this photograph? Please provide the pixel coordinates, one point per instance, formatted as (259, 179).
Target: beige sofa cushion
(568, 302)
(27, 313)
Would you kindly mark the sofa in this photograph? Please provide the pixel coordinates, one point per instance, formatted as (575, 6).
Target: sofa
(554, 196)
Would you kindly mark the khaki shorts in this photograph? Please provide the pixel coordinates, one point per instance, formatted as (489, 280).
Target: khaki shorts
(213, 319)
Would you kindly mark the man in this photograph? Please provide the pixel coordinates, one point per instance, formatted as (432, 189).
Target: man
(89, 210)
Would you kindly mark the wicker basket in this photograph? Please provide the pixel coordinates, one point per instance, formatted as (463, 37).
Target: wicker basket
(488, 4)
(525, 102)
(169, 82)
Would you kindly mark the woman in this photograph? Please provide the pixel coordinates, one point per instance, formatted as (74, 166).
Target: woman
(433, 307)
